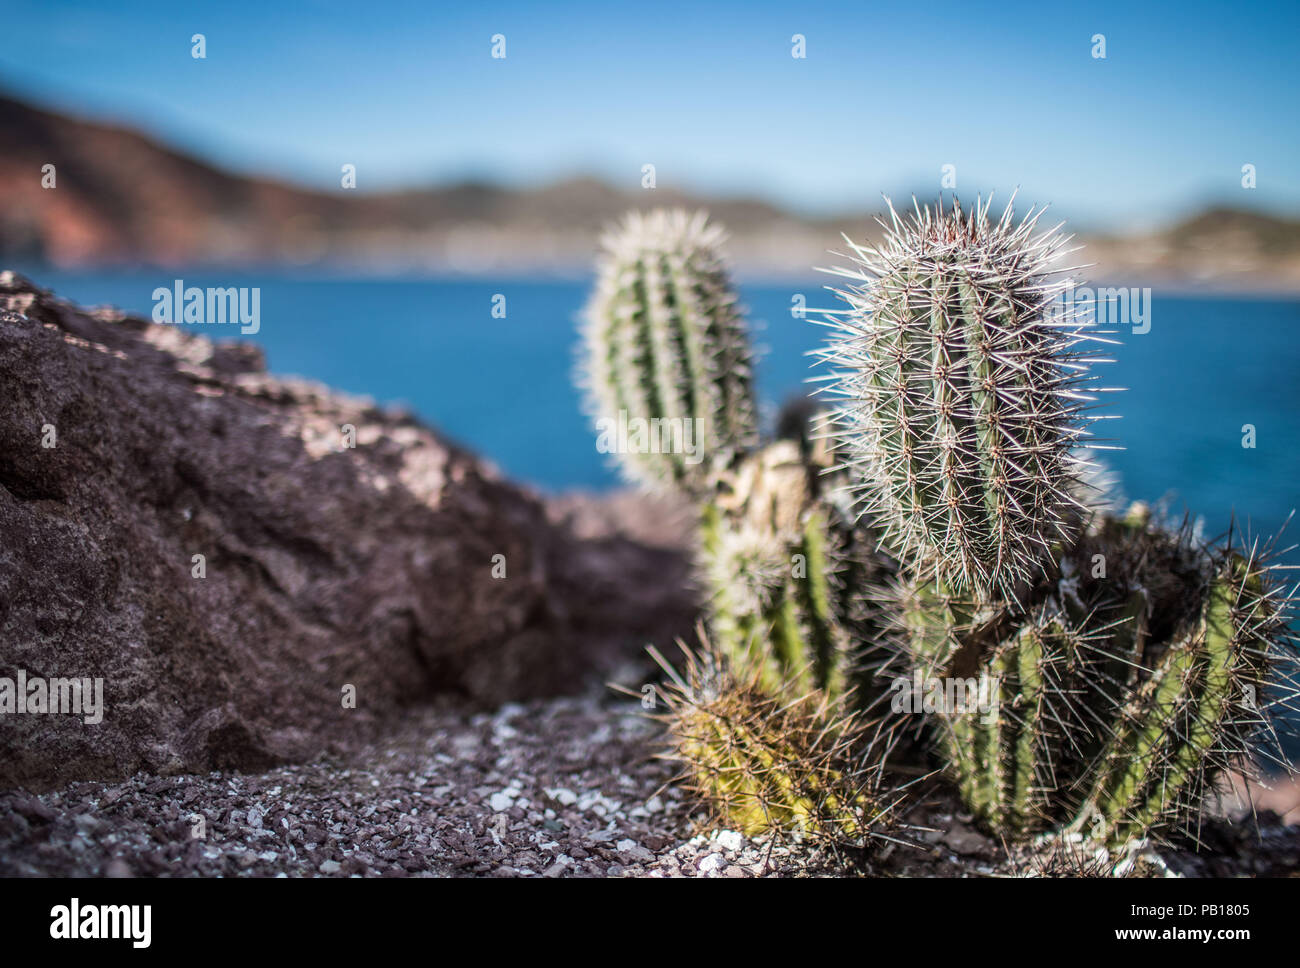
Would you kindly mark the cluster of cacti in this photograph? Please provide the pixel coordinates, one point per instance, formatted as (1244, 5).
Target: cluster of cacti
(1123, 662)
(779, 557)
(1131, 675)
(1124, 665)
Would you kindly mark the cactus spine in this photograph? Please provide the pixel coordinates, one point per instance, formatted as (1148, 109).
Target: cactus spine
(666, 344)
(959, 385)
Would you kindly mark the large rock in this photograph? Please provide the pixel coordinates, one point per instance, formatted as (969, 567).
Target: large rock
(325, 565)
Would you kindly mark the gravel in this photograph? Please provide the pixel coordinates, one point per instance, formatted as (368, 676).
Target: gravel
(555, 788)
(559, 788)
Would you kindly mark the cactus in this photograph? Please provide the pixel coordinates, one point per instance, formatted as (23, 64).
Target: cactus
(784, 570)
(1113, 701)
(664, 342)
(960, 383)
(1120, 695)
(768, 764)
(776, 556)
(1196, 715)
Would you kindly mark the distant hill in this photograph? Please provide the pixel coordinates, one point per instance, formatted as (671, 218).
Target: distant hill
(122, 198)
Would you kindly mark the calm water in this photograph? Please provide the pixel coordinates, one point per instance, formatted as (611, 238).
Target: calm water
(503, 386)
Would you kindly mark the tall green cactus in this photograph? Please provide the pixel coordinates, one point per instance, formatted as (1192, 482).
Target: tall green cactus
(960, 381)
(664, 341)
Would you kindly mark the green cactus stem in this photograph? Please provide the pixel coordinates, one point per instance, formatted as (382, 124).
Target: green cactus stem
(785, 573)
(960, 382)
(665, 345)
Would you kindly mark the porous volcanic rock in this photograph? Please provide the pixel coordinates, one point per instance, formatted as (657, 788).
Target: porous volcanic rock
(325, 565)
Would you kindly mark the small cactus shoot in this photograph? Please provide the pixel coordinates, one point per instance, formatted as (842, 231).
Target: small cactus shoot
(768, 761)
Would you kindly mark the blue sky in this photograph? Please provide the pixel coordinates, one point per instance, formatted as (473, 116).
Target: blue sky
(887, 95)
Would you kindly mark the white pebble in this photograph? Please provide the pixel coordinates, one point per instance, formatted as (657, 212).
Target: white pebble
(730, 840)
(563, 796)
(711, 863)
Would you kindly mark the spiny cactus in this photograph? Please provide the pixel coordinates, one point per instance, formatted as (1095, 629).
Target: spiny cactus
(783, 569)
(1196, 716)
(665, 342)
(1133, 681)
(768, 764)
(960, 379)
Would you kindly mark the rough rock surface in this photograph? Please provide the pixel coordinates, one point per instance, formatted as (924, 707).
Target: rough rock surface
(326, 565)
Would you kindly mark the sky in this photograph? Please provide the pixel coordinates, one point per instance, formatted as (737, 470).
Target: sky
(1008, 94)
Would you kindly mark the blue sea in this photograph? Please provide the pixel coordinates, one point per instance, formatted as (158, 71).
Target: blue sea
(503, 386)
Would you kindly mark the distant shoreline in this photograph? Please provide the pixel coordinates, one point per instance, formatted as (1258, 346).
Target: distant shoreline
(124, 199)
(745, 275)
